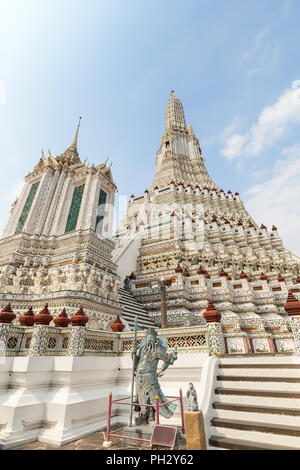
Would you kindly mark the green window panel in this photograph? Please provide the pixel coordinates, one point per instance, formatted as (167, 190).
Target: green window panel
(27, 207)
(74, 209)
(101, 211)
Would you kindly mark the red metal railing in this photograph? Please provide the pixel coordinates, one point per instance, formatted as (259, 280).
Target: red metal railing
(110, 433)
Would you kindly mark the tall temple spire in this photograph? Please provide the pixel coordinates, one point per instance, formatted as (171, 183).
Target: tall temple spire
(179, 158)
(72, 153)
(174, 114)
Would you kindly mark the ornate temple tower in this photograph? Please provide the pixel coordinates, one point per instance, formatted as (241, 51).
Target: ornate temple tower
(179, 158)
(185, 226)
(56, 247)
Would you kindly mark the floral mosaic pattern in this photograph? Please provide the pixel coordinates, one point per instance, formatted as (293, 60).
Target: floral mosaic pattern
(4, 332)
(215, 339)
(27, 207)
(74, 209)
(295, 326)
(76, 341)
(39, 341)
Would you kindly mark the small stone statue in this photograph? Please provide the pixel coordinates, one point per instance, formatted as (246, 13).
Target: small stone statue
(192, 398)
(127, 283)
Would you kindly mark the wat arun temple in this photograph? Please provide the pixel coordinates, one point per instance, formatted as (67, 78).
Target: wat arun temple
(71, 288)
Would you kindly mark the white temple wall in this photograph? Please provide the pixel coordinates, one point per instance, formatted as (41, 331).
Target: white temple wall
(60, 399)
(127, 258)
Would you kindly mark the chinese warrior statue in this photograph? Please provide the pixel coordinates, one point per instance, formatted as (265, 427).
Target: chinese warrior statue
(146, 373)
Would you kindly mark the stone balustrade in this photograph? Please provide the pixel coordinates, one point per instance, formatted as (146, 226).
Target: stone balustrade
(212, 337)
(42, 340)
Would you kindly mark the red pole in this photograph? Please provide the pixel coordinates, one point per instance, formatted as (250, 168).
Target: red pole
(182, 412)
(157, 409)
(109, 415)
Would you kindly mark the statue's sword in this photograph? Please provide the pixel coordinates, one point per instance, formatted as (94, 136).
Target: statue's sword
(134, 350)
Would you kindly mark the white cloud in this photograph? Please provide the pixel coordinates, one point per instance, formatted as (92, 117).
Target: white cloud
(257, 44)
(271, 125)
(261, 36)
(275, 200)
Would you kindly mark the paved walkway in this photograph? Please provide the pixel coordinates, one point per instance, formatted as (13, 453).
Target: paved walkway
(91, 442)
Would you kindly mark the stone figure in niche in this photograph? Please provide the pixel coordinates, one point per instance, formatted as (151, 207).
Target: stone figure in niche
(45, 282)
(146, 376)
(18, 280)
(55, 280)
(6, 278)
(105, 285)
(116, 289)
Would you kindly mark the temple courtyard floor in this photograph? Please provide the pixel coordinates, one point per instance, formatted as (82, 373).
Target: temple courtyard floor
(92, 442)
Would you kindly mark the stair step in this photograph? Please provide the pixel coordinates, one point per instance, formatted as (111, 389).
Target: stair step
(256, 393)
(281, 386)
(259, 366)
(247, 378)
(278, 373)
(239, 444)
(133, 308)
(256, 409)
(241, 425)
(257, 404)
(267, 419)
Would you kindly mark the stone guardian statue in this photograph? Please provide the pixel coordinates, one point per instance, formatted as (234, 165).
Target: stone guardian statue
(146, 376)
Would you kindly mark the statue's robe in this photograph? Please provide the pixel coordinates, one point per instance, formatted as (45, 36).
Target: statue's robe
(147, 385)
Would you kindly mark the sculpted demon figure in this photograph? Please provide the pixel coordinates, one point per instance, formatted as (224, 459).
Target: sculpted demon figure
(146, 373)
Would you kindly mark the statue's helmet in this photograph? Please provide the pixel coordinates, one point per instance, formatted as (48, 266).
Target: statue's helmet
(151, 333)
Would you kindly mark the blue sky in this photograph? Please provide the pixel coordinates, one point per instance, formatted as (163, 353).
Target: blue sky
(233, 63)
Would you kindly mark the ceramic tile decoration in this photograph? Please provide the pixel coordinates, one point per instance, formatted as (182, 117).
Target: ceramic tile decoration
(101, 211)
(27, 207)
(65, 270)
(183, 227)
(295, 326)
(39, 341)
(215, 339)
(76, 341)
(74, 210)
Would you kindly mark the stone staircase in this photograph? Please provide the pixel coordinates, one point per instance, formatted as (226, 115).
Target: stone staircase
(131, 308)
(257, 404)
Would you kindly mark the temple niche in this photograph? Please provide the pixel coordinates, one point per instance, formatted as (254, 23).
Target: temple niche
(57, 247)
(185, 226)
